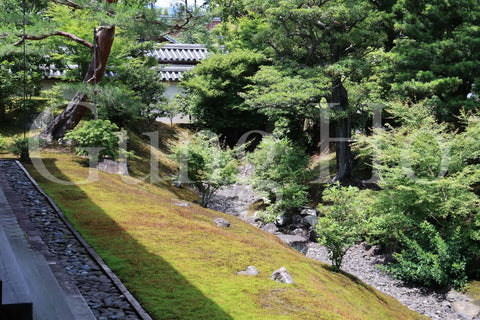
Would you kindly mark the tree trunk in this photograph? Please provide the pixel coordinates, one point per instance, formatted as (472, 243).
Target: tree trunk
(75, 110)
(2, 112)
(343, 134)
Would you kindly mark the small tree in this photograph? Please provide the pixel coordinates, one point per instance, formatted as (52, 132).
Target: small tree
(95, 134)
(341, 227)
(204, 165)
(281, 174)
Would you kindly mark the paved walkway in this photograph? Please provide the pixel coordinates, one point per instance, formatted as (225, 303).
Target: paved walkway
(27, 277)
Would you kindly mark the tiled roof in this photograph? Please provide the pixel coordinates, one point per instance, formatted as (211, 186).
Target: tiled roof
(174, 59)
(173, 73)
(179, 53)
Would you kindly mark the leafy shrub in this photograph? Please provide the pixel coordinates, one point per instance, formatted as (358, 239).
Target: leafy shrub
(3, 144)
(280, 174)
(342, 225)
(204, 165)
(19, 148)
(429, 259)
(96, 134)
(427, 210)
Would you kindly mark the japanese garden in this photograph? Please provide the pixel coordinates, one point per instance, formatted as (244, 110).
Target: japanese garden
(239, 159)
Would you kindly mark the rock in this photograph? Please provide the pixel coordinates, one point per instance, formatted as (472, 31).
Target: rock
(291, 239)
(466, 309)
(453, 296)
(374, 250)
(270, 228)
(281, 220)
(310, 221)
(281, 275)
(309, 212)
(112, 166)
(312, 235)
(181, 204)
(298, 231)
(222, 222)
(251, 271)
(296, 219)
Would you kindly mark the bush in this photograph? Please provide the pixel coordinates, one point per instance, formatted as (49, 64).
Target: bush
(342, 225)
(96, 134)
(429, 259)
(20, 148)
(3, 144)
(280, 175)
(205, 165)
(427, 210)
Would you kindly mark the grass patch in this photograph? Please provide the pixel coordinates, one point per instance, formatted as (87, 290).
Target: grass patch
(474, 291)
(180, 265)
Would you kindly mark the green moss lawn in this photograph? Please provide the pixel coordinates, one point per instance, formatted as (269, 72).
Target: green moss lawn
(180, 265)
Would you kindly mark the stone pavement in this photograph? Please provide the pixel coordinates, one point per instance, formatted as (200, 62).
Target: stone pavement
(26, 275)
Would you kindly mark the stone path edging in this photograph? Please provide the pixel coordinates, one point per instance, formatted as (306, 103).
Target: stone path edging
(128, 296)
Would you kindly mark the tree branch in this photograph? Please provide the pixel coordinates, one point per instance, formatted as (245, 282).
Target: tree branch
(56, 33)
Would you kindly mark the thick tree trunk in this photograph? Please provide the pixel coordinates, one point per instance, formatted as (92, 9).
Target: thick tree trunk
(343, 135)
(75, 110)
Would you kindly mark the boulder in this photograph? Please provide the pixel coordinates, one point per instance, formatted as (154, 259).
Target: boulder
(112, 166)
(309, 212)
(467, 309)
(453, 296)
(250, 271)
(296, 219)
(310, 221)
(312, 235)
(373, 251)
(222, 222)
(281, 275)
(281, 220)
(292, 239)
(270, 228)
(298, 231)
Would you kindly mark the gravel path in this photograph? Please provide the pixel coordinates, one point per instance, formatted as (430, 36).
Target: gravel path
(361, 264)
(358, 262)
(100, 293)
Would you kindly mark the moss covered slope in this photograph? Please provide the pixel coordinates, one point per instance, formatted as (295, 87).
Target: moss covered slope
(180, 265)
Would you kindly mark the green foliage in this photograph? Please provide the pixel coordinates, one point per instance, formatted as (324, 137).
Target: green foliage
(171, 108)
(428, 175)
(343, 223)
(211, 92)
(204, 165)
(3, 144)
(137, 75)
(20, 148)
(280, 174)
(96, 134)
(437, 57)
(287, 95)
(429, 259)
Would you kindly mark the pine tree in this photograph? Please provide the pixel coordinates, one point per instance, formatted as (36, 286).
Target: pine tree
(89, 28)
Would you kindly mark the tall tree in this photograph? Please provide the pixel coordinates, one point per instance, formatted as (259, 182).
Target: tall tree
(135, 18)
(436, 55)
(329, 36)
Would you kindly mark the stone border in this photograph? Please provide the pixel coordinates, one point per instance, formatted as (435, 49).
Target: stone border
(128, 296)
